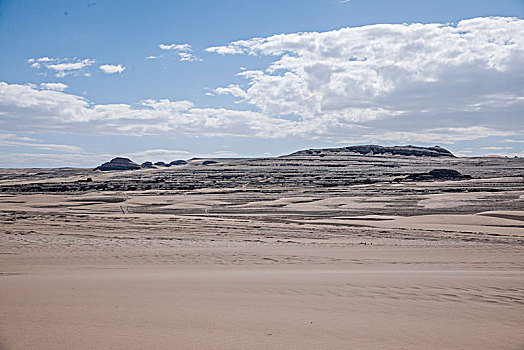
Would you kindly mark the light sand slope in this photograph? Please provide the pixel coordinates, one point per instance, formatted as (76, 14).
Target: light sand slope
(330, 298)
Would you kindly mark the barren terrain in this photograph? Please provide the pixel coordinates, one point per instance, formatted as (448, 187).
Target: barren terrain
(306, 251)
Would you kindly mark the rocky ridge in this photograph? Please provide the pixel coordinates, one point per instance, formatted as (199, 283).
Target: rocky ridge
(371, 150)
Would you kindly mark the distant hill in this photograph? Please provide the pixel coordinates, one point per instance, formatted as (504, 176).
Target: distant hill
(371, 150)
(118, 163)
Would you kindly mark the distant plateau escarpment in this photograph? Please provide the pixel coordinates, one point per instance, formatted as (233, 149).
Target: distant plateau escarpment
(371, 150)
(120, 163)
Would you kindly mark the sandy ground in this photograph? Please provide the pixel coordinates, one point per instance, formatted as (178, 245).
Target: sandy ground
(378, 266)
(267, 297)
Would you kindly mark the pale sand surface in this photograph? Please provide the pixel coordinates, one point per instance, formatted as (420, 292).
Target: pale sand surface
(267, 297)
(240, 257)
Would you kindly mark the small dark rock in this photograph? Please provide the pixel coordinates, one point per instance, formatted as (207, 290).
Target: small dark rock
(178, 162)
(147, 165)
(447, 174)
(438, 174)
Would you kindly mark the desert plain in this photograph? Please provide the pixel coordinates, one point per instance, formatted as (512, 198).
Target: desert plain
(314, 250)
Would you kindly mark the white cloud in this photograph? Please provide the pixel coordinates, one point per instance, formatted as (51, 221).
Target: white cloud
(153, 57)
(112, 68)
(14, 137)
(389, 77)
(226, 50)
(446, 135)
(175, 47)
(68, 66)
(62, 67)
(418, 83)
(42, 60)
(26, 109)
(54, 86)
(12, 140)
(182, 50)
(42, 146)
(496, 148)
(232, 89)
(514, 141)
(186, 56)
(46, 59)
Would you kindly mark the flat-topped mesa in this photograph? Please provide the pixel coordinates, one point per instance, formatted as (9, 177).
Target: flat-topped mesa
(118, 163)
(371, 150)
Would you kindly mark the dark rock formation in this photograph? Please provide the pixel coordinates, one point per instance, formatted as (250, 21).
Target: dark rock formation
(375, 149)
(209, 162)
(438, 174)
(447, 174)
(162, 164)
(147, 165)
(178, 162)
(119, 163)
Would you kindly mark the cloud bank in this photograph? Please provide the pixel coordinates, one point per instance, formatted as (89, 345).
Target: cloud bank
(24, 108)
(385, 83)
(460, 75)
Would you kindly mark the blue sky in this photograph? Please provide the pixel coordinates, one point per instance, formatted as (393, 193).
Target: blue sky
(83, 81)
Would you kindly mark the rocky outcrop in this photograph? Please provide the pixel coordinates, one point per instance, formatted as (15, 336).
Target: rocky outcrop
(371, 150)
(118, 163)
(437, 174)
(447, 174)
(147, 165)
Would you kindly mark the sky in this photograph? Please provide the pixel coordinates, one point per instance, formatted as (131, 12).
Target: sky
(84, 81)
